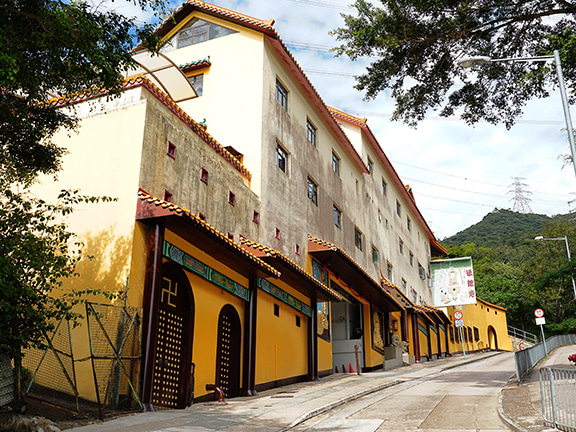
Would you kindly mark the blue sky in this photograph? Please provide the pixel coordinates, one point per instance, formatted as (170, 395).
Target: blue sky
(458, 173)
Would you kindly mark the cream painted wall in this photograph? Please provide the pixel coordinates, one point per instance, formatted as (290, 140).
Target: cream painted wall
(232, 98)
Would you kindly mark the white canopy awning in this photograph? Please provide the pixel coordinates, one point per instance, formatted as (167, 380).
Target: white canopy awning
(164, 73)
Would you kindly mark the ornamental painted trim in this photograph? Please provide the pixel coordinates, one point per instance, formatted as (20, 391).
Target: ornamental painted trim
(434, 329)
(283, 296)
(422, 329)
(180, 257)
(442, 328)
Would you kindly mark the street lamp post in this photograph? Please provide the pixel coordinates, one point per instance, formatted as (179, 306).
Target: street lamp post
(473, 61)
(565, 238)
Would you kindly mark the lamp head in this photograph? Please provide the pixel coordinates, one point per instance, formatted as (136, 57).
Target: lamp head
(473, 61)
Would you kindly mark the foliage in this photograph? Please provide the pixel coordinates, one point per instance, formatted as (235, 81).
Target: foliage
(37, 253)
(501, 227)
(523, 274)
(417, 45)
(50, 47)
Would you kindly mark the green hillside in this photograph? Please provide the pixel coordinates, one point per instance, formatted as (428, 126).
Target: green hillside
(500, 227)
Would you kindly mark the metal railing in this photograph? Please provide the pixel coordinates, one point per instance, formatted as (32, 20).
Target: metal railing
(522, 334)
(526, 359)
(558, 391)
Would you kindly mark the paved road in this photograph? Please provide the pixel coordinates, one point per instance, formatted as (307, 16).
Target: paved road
(464, 399)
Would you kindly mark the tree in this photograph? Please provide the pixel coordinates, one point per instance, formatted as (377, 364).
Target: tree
(417, 44)
(47, 48)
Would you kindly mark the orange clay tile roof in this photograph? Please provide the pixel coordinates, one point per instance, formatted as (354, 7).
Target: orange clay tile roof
(343, 253)
(208, 229)
(492, 305)
(139, 80)
(348, 117)
(422, 308)
(236, 16)
(289, 263)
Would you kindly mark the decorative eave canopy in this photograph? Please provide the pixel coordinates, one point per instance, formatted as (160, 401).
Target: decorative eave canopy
(163, 73)
(343, 266)
(202, 235)
(430, 313)
(291, 273)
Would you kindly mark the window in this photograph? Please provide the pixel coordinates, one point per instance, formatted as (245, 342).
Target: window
(277, 233)
(375, 256)
(167, 196)
(281, 158)
(202, 216)
(255, 217)
(297, 249)
(408, 223)
(401, 246)
(337, 216)
(230, 235)
(398, 208)
(451, 333)
(197, 82)
(335, 163)
(411, 259)
(311, 132)
(389, 272)
(404, 285)
(276, 310)
(384, 187)
(231, 198)
(421, 272)
(358, 238)
(204, 175)
(370, 166)
(171, 150)
(200, 31)
(281, 95)
(312, 191)
(297, 321)
(476, 334)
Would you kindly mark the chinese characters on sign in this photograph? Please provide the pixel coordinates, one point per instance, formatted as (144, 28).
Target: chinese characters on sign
(453, 282)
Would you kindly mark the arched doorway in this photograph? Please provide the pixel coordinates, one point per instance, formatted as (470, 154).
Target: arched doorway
(172, 379)
(228, 355)
(492, 338)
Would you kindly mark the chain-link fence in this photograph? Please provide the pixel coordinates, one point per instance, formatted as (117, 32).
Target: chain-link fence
(6, 381)
(114, 336)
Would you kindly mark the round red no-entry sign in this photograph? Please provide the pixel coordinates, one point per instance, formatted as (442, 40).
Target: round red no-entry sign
(538, 313)
(458, 315)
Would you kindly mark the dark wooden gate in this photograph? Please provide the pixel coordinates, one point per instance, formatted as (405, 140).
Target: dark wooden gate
(228, 356)
(172, 380)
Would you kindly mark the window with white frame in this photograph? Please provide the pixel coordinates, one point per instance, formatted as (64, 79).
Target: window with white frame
(337, 216)
(311, 132)
(335, 163)
(281, 157)
(281, 95)
(312, 191)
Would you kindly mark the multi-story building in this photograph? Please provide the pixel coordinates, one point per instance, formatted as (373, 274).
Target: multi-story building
(268, 243)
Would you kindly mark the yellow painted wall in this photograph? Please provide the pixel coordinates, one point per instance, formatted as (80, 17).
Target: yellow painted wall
(209, 299)
(281, 346)
(423, 340)
(482, 315)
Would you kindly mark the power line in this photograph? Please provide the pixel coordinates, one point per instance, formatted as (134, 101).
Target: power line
(452, 188)
(324, 4)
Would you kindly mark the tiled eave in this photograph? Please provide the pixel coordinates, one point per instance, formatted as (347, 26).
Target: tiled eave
(343, 266)
(202, 235)
(292, 273)
(138, 81)
(435, 247)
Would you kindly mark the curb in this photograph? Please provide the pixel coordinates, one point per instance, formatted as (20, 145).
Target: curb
(375, 389)
(502, 414)
(339, 402)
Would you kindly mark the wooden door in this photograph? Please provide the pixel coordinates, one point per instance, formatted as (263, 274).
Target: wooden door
(228, 355)
(172, 379)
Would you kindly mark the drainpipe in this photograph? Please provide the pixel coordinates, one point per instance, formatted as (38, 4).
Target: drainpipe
(313, 342)
(250, 314)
